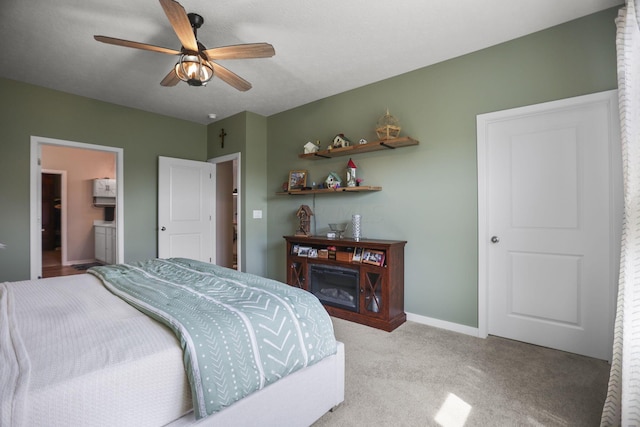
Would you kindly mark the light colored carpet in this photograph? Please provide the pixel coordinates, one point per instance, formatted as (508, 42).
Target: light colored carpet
(423, 376)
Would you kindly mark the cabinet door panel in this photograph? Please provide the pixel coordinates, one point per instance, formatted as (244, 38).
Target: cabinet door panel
(297, 275)
(110, 245)
(100, 244)
(374, 300)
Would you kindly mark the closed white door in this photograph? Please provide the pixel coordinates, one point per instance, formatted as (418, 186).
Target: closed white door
(550, 210)
(186, 206)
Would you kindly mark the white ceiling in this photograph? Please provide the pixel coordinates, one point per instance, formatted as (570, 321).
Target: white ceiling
(322, 47)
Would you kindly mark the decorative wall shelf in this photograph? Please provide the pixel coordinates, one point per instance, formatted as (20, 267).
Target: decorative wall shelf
(329, 190)
(404, 141)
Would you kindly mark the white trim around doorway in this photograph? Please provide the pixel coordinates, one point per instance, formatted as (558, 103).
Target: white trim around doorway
(608, 98)
(35, 214)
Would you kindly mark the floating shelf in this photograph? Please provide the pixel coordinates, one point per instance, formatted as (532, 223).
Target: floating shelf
(388, 144)
(329, 190)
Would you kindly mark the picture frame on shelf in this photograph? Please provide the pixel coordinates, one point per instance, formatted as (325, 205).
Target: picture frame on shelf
(304, 251)
(357, 255)
(295, 249)
(297, 180)
(373, 257)
(313, 253)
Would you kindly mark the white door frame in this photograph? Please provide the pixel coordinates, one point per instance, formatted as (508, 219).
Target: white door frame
(35, 215)
(228, 158)
(63, 211)
(616, 206)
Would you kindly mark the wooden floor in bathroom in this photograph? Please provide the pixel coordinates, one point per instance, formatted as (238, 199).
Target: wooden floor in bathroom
(52, 265)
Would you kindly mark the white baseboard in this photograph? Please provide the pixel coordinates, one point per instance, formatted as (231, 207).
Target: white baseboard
(80, 261)
(443, 324)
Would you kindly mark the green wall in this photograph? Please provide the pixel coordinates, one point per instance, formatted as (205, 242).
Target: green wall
(429, 195)
(27, 110)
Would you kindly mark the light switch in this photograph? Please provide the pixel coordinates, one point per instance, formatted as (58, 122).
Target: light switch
(257, 214)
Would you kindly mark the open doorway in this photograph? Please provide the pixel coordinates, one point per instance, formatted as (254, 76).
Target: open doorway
(78, 215)
(228, 208)
(54, 220)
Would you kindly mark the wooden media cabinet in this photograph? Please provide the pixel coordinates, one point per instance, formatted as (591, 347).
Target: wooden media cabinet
(368, 290)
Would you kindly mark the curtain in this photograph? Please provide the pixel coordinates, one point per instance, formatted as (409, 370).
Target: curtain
(622, 406)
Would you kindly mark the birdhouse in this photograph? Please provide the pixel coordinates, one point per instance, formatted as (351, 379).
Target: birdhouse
(351, 174)
(388, 127)
(340, 141)
(304, 215)
(333, 180)
(310, 147)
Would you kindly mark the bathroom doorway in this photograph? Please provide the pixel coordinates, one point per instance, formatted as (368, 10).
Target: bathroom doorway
(78, 164)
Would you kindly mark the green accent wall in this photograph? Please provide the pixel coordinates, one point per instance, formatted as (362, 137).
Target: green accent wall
(27, 110)
(429, 195)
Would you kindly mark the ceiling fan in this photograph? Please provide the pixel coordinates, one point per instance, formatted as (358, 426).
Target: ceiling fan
(195, 65)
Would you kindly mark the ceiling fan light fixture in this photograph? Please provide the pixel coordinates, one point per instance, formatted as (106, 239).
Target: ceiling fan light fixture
(196, 64)
(194, 70)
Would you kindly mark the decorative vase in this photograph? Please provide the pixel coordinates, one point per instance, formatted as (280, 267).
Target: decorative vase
(355, 227)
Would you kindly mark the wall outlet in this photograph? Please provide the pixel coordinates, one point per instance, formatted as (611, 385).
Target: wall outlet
(257, 214)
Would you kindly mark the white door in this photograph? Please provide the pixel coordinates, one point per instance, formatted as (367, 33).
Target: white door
(550, 214)
(186, 206)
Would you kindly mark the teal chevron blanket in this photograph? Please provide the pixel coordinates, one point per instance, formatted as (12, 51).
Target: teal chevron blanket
(239, 332)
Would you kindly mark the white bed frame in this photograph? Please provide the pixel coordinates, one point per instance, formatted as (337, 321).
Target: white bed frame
(298, 399)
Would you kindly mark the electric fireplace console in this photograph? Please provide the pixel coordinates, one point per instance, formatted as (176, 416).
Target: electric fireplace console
(361, 281)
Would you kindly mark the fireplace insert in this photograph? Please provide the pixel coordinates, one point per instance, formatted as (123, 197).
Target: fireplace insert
(335, 286)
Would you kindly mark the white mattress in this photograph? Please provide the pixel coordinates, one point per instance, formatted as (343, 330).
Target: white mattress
(82, 370)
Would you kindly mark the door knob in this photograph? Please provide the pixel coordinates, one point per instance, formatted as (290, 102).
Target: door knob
(163, 229)
(495, 239)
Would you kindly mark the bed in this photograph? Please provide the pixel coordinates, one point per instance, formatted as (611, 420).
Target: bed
(74, 352)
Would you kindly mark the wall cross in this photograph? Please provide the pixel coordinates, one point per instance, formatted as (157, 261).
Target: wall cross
(222, 135)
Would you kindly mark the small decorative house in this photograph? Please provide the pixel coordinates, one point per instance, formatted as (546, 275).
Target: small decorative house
(351, 174)
(304, 215)
(310, 147)
(333, 180)
(340, 141)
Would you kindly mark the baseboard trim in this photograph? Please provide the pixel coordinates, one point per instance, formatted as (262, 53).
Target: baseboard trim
(443, 324)
(79, 261)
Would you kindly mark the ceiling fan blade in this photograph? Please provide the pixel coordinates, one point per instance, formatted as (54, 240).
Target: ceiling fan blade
(180, 22)
(230, 77)
(136, 45)
(241, 51)
(170, 79)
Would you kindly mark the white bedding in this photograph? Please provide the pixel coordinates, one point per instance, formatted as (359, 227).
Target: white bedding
(76, 355)
(82, 370)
